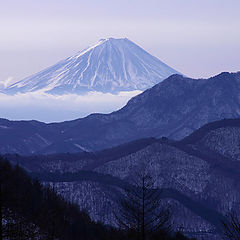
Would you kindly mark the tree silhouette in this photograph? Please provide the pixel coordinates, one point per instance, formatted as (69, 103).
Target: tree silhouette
(141, 211)
(232, 227)
(1, 215)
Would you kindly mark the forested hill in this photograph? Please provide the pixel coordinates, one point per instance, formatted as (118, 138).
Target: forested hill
(173, 108)
(29, 210)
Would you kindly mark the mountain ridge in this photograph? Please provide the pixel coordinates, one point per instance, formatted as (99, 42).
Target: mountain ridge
(199, 179)
(173, 108)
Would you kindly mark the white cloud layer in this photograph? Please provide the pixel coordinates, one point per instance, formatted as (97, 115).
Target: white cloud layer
(54, 108)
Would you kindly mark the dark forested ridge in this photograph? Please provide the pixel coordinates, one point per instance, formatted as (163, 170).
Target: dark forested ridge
(30, 210)
(25, 202)
(173, 108)
(201, 132)
(91, 160)
(199, 175)
(35, 163)
(197, 207)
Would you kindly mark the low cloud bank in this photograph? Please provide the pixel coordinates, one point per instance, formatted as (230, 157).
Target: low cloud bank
(55, 108)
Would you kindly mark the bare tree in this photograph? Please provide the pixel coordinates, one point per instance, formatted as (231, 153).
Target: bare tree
(141, 211)
(232, 227)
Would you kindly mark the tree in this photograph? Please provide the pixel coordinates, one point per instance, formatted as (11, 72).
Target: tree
(2, 173)
(33, 211)
(231, 227)
(141, 211)
(1, 218)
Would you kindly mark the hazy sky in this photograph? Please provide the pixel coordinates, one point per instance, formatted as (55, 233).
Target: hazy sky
(199, 38)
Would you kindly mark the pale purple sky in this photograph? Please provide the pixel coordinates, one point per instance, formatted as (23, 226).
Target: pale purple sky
(199, 38)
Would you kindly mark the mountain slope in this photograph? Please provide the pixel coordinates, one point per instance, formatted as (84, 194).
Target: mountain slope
(173, 108)
(110, 66)
(30, 210)
(199, 173)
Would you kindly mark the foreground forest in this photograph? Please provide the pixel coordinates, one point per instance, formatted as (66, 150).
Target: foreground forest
(30, 210)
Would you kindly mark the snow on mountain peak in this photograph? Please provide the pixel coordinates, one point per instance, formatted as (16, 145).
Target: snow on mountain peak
(110, 66)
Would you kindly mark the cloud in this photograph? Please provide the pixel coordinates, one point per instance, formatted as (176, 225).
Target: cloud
(55, 108)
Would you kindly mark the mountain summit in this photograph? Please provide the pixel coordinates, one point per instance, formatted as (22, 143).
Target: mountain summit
(110, 66)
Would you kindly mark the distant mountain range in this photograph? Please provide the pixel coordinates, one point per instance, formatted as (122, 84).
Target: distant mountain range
(199, 176)
(173, 108)
(110, 66)
(184, 132)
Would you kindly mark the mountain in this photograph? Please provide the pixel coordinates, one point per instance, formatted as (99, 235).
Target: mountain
(173, 108)
(110, 66)
(198, 175)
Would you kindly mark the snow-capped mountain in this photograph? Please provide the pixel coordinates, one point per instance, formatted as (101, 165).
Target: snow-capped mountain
(110, 66)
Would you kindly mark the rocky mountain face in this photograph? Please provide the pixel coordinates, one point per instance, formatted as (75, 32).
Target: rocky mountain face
(199, 176)
(110, 66)
(173, 108)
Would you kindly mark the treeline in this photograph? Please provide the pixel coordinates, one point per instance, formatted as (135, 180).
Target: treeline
(202, 131)
(37, 162)
(29, 210)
